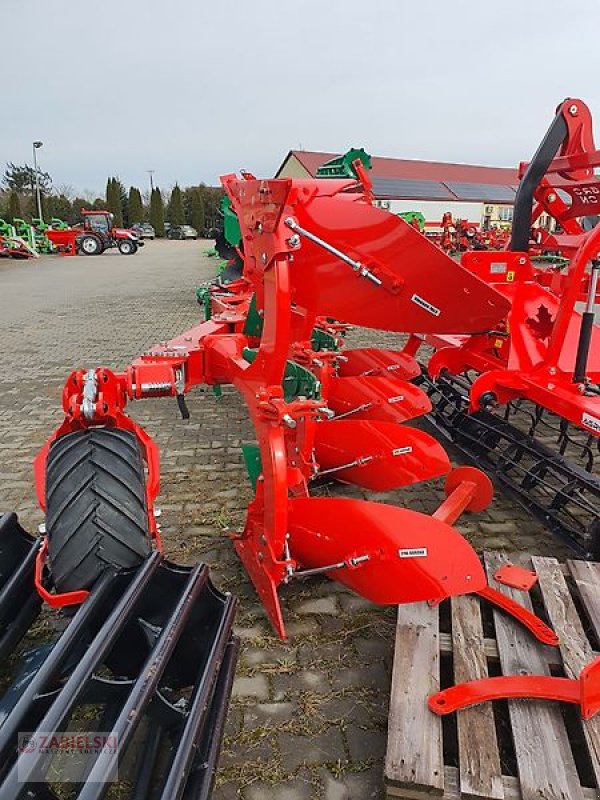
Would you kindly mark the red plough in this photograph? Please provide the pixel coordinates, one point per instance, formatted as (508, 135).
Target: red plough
(313, 252)
(316, 250)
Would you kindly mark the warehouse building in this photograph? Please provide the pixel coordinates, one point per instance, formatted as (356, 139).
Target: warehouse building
(482, 195)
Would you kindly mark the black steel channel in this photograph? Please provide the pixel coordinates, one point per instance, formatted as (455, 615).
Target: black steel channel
(583, 346)
(15, 782)
(145, 764)
(146, 684)
(20, 624)
(201, 781)
(10, 726)
(186, 750)
(21, 576)
(538, 166)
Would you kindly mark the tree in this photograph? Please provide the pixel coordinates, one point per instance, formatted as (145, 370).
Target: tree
(76, 206)
(211, 201)
(114, 200)
(14, 206)
(31, 207)
(157, 212)
(21, 178)
(176, 207)
(58, 205)
(197, 211)
(135, 206)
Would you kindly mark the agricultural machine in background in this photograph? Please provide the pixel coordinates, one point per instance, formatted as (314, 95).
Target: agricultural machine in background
(99, 233)
(522, 398)
(28, 240)
(12, 245)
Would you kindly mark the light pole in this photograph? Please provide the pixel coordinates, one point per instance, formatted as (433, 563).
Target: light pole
(36, 146)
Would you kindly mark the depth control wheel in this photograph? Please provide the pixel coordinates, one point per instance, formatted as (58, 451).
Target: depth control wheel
(96, 513)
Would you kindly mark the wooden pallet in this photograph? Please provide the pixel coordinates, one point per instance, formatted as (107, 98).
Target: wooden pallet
(517, 749)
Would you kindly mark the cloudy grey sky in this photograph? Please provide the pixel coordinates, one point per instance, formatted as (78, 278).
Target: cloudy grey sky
(195, 89)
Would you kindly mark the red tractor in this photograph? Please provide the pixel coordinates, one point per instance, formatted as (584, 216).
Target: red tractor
(98, 233)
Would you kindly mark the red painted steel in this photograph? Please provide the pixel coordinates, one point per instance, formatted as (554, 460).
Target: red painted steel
(376, 455)
(584, 692)
(381, 397)
(534, 624)
(516, 577)
(54, 600)
(366, 267)
(371, 361)
(411, 557)
(64, 240)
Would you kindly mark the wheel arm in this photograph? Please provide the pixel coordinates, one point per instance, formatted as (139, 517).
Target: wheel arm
(583, 691)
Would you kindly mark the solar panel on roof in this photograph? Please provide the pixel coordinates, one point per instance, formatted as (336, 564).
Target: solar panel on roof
(410, 189)
(485, 192)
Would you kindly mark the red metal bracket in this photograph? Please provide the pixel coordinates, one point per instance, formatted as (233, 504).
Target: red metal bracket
(516, 577)
(538, 628)
(467, 489)
(584, 691)
(54, 600)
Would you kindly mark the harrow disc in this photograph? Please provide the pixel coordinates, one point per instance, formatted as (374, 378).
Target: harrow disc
(376, 455)
(380, 397)
(412, 557)
(371, 361)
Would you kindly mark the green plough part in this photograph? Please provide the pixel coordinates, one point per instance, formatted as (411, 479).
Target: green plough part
(341, 167)
(6, 229)
(409, 216)
(297, 381)
(558, 261)
(254, 322)
(203, 299)
(252, 460)
(231, 225)
(58, 224)
(321, 340)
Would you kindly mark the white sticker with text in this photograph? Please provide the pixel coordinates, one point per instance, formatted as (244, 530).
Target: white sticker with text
(420, 301)
(593, 423)
(413, 552)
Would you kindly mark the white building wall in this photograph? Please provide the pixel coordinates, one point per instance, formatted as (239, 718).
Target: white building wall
(433, 210)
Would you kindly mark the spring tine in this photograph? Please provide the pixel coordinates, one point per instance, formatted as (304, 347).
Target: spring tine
(563, 494)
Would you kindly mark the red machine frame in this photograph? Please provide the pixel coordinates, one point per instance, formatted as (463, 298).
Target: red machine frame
(315, 249)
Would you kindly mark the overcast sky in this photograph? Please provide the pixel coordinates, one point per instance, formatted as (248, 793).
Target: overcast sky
(195, 89)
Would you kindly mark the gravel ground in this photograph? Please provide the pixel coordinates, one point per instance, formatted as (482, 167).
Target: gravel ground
(308, 718)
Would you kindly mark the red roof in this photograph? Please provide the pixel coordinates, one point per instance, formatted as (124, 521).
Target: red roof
(412, 169)
(386, 171)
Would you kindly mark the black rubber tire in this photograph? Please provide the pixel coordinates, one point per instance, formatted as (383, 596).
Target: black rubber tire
(127, 247)
(92, 242)
(96, 513)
